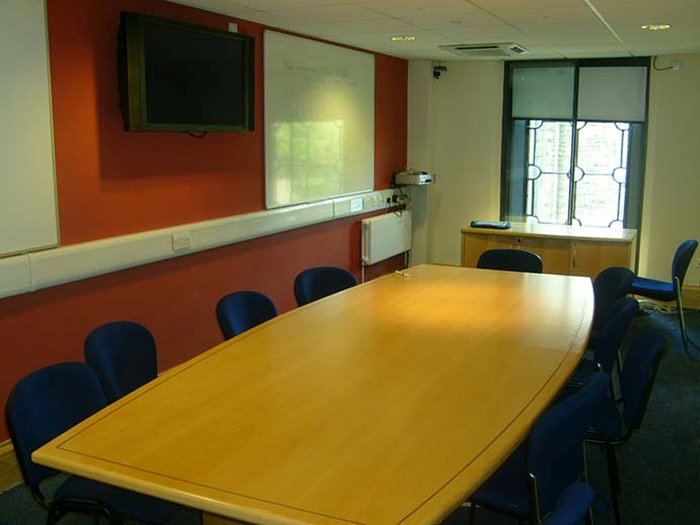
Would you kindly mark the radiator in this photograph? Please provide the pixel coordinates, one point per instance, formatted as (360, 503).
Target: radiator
(385, 236)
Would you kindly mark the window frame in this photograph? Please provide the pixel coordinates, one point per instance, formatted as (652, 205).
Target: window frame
(635, 184)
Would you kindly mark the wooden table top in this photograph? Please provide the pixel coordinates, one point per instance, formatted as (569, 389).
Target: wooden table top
(387, 403)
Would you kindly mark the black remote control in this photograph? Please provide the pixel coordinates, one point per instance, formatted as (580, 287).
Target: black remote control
(496, 225)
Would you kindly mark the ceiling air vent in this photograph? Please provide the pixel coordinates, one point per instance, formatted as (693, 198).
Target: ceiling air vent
(498, 50)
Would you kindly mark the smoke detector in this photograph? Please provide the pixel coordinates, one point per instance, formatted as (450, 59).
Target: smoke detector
(496, 50)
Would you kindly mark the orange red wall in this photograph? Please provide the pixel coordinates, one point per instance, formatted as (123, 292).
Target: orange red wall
(110, 183)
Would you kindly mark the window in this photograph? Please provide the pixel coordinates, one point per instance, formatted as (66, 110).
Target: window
(574, 141)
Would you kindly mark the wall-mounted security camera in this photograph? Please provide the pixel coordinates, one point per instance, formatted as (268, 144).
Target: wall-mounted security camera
(438, 71)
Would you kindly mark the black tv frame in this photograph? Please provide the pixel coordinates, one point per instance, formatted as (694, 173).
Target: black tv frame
(132, 75)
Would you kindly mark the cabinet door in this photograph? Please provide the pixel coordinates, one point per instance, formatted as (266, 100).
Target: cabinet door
(589, 258)
(555, 253)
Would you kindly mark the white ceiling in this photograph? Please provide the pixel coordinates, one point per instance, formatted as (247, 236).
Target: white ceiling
(546, 28)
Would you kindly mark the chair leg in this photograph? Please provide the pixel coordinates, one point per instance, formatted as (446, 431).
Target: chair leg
(589, 517)
(614, 478)
(681, 316)
(472, 514)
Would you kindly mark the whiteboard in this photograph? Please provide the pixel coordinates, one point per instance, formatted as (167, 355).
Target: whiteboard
(319, 120)
(27, 186)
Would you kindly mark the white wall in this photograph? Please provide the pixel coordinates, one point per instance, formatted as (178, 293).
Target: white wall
(419, 152)
(671, 211)
(455, 131)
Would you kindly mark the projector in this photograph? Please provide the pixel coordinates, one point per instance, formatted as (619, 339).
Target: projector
(414, 178)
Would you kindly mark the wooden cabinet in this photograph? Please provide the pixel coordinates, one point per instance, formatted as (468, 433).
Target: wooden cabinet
(566, 250)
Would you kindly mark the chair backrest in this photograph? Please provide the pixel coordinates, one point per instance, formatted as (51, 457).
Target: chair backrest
(315, 283)
(610, 285)
(511, 260)
(555, 445)
(614, 328)
(123, 355)
(638, 375)
(681, 260)
(45, 404)
(241, 311)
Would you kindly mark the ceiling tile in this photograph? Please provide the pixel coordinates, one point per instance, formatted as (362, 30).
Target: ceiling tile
(344, 13)
(367, 27)
(549, 28)
(269, 5)
(592, 51)
(225, 7)
(473, 22)
(436, 8)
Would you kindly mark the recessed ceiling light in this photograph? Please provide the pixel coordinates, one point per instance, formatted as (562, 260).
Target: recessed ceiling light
(656, 27)
(403, 38)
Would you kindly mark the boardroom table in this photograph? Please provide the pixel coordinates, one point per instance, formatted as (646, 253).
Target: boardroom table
(387, 403)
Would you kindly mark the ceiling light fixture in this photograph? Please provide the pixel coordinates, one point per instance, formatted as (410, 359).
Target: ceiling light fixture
(403, 38)
(656, 27)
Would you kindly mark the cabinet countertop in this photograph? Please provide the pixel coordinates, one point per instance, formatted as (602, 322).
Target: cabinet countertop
(584, 233)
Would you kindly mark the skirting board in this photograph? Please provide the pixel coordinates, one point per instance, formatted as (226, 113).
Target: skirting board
(9, 469)
(691, 297)
(42, 269)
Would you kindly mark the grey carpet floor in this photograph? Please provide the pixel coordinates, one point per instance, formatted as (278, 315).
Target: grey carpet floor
(659, 465)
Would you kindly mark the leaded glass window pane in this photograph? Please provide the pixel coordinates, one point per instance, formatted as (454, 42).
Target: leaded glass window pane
(549, 162)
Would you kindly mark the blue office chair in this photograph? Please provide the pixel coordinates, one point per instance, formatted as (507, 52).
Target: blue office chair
(315, 283)
(123, 355)
(572, 506)
(511, 260)
(527, 485)
(45, 404)
(613, 423)
(609, 285)
(241, 311)
(670, 291)
(605, 343)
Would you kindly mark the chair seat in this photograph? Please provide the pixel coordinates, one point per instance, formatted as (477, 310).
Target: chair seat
(507, 488)
(660, 290)
(513, 502)
(572, 505)
(586, 368)
(597, 339)
(124, 502)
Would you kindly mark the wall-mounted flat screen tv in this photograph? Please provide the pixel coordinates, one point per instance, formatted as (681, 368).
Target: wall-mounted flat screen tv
(182, 77)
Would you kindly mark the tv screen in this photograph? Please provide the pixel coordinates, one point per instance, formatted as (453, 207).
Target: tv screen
(182, 77)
